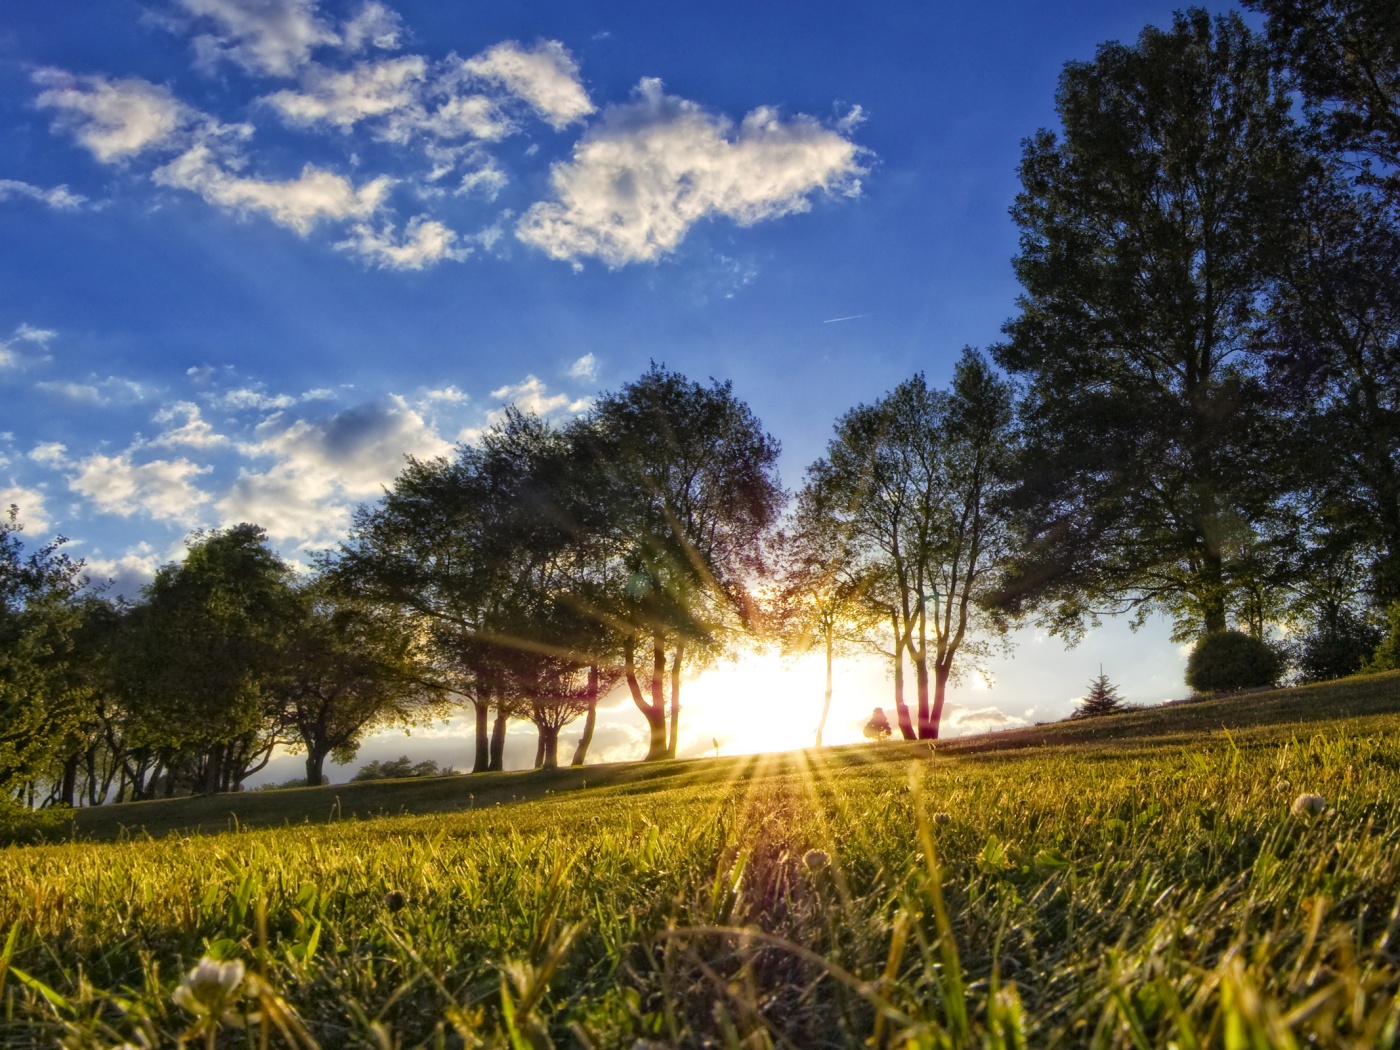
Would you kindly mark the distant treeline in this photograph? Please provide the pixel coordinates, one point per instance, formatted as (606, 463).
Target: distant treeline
(1194, 412)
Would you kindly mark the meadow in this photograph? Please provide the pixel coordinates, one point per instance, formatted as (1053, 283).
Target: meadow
(1141, 880)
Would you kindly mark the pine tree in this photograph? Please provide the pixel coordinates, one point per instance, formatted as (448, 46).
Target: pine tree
(1102, 698)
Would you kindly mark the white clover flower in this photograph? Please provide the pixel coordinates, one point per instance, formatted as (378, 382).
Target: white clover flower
(1307, 805)
(816, 860)
(943, 818)
(212, 989)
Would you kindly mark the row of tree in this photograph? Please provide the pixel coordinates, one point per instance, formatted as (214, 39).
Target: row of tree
(1195, 412)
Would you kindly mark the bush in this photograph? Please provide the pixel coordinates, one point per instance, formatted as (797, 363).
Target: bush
(403, 766)
(1338, 648)
(1387, 654)
(1230, 660)
(22, 826)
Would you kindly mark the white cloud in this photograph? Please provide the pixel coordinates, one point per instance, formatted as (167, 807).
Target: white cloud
(251, 397)
(586, 367)
(980, 719)
(488, 180)
(113, 119)
(31, 507)
(275, 37)
(160, 489)
(424, 242)
(449, 111)
(545, 77)
(321, 467)
(343, 98)
(316, 195)
(374, 25)
(25, 333)
(319, 394)
(60, 198)
(189, 428)
(531, 395)
(653, 167)
(49, 453)
(126, 574)
(448, 393)
(99, 392)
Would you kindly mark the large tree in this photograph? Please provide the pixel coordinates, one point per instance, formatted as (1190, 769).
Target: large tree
(206, 646)
(689, 480)
(1152, 228)
(348, 666)
(914, 483)
(1345, 55)
(41, 690)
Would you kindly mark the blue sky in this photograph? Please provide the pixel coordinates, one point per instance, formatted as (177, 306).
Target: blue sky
(254, 251)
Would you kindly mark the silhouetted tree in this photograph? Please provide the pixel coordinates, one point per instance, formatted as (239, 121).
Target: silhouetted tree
(1154, 469)
(1101, 699)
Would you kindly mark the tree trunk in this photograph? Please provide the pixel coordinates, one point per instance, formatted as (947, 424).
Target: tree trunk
(675, 700)
(550, 739)
(315, 766)
(654, 712)
(928, 727)
(1213, 599)
(482, 761)
(901, 709)
(496, 762)
(941, 671)
(581, 752)
(540, 747)
(826, 698)
(69, 786)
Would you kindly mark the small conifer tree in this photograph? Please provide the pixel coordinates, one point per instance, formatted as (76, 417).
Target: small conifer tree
(878, 728)
(1101, 699)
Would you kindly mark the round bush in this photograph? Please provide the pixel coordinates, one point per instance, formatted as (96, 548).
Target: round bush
(1230, 660)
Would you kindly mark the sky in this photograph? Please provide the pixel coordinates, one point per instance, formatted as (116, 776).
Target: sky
(254, 252)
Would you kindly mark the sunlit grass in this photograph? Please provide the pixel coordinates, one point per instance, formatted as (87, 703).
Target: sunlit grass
(1128, 894)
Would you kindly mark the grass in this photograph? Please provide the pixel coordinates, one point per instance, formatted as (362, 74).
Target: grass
(1137, 881)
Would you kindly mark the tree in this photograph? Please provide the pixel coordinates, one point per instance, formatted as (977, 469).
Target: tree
(914, 482)
(1154, 470)
(689, 480)
(1332, 341)
(1346, 57)
(878, 728)
(1101, 699)
(346, 667)
(819, 599)
(206, 647)
(41, 693)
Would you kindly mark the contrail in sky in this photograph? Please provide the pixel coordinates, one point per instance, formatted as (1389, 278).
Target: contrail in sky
(851, 318)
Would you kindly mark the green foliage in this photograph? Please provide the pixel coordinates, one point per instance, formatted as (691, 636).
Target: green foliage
(1154, 469)
(1337, 647)
(1230, 660)
(829, 899)
(1387, 654)
(1101, 699)
(22, 826)
(403, 766)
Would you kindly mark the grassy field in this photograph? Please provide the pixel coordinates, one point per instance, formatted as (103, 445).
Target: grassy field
(1138, 881)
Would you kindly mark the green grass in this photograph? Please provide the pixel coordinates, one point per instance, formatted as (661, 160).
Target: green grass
(1136, 881)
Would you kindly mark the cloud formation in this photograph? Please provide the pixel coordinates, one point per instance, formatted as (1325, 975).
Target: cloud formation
(162, 489)
(315, 196)
(30, 502)
(321, 467)
(114, 120)
(424, 242)
(60, 198)
(653, 167)
(275, 37)
(545, 77)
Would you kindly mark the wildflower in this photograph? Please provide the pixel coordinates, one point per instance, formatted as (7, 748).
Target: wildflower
(394, 900)
(1307, 805)
(816, 860)
(943, 818)
(1282, 787)
(211, 990)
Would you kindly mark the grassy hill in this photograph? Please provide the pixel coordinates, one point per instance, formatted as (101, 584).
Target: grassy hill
(1134, 881)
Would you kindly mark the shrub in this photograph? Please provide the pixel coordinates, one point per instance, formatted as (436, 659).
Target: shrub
(22, 826)
(403, 766)
(1387, 654)
(1230, 660)
(1337, 648)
